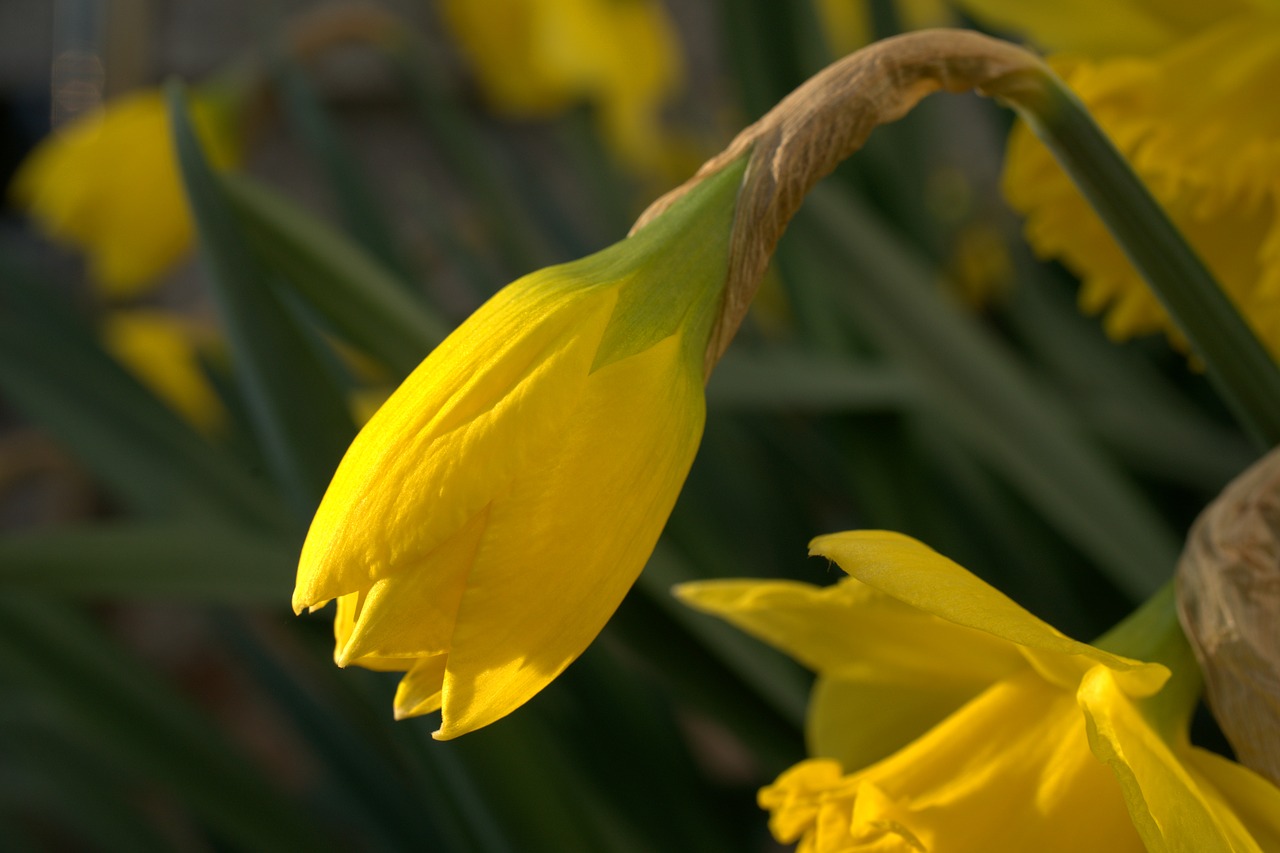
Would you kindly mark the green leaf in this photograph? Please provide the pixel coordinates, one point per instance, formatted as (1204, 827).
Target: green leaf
(1121, 397)
(64, 785)
(149, 730)
(484, 171)
(985, 397)
(778, 378)
(349, 186)
(300, 418)
(1244, 373)
(364, 304)
(208, 562)
(54, 370)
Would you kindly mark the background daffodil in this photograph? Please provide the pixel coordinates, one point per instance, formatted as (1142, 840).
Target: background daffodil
(946, 717)
(1177, 88)
(107, 183)
(488, 520)
(537, 57)
(164, 351)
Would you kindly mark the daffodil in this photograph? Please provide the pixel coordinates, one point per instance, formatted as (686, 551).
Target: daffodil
(107, 183)
(947, 718)
(489, 518)
(538, 57)
(163, 351)
(1182, 89)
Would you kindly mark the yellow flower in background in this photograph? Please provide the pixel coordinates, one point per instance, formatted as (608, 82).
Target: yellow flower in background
(488, 520)
(1182, 89)
(539, 57)
(947, 718)
(163, 350)
(107, 183)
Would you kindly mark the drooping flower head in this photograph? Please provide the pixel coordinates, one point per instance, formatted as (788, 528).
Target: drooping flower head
(947, 718)
(1178, 87)
(107, 183)
(487, 521)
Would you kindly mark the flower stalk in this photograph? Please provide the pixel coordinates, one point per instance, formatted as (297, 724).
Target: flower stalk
(827, 119)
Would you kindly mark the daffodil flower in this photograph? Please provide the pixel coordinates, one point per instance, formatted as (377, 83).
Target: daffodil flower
(1181, 89)
(538, 57)
(107, 183)
(488, 520)
(947, 718)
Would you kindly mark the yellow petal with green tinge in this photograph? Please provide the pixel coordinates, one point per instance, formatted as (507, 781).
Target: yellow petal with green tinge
(917, 575)
(525, 615)
(1170, 811)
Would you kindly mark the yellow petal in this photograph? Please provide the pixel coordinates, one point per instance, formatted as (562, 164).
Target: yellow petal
(889, 713)
(866, 645)
(420, 690)
(162, 350)
(411, 613)
(558, 556)
(793, 799)
(537, 57)
(492, 399)
(1169, 810)
(1011, 770)
(344, 622)
(1103, 27)
(1237, 791)
(917, 575)
(850, 626)
(1187, 119)
(108, 183)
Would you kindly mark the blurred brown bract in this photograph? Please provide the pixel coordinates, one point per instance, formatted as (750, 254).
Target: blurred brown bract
(1229, 604)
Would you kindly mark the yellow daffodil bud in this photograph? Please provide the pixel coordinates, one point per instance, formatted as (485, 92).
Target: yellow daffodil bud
(946, 717)
(488, 520)
(108, 184)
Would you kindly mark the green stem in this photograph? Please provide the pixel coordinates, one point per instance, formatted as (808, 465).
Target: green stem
(1237, 364)
(1152, 633)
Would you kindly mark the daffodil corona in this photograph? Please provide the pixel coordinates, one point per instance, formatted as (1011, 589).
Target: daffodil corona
(488, 520)
(947, 718)
(1177, 87)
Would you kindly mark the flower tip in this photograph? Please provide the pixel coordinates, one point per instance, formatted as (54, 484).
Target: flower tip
(818, 545)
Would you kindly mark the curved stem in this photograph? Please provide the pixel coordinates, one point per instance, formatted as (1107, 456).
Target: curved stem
(812, 130)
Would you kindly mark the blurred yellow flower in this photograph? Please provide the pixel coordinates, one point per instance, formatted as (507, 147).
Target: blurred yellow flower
(488, 520)
(538, 57)
(947, 718)
(162, 350)
(108, 184)
(1182, 90)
